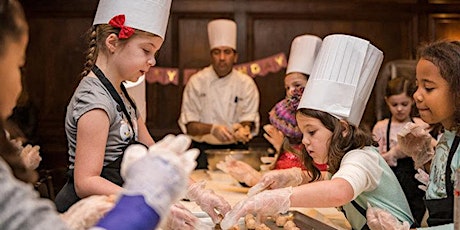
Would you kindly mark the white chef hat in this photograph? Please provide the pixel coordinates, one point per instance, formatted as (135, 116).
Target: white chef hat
(304, 49)
(147, 15)
(222, 32)
(342, 77)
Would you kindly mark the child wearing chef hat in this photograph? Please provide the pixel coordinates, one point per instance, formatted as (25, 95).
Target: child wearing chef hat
(102, 120)
(328, 115)
(283, 132)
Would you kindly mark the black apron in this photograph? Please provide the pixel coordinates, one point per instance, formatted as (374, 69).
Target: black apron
(441, 211)
(67, 195)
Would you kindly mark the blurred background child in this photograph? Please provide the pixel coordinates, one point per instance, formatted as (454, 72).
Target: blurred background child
(398, 98)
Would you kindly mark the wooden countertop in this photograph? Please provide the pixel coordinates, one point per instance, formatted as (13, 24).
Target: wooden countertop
(224, 185)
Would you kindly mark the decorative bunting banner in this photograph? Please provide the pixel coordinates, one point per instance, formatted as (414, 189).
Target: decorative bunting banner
(256, 68)
(163, 75)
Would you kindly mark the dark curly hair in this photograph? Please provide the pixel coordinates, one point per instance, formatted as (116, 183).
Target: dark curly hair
(446, 56)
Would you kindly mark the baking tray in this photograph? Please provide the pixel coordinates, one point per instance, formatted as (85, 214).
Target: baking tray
(302, 221)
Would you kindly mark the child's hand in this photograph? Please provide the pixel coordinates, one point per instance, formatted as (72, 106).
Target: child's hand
(379, 219)
(31, 156)
(240, 171)
(415, 141)
(274, 136)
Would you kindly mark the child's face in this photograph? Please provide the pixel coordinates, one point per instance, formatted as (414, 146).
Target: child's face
(400, 106)
(136, 56)
(11, 61)
(433, 97)
(294, 81)
(316, 137)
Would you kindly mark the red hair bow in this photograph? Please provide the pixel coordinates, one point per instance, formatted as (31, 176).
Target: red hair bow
(119, 22)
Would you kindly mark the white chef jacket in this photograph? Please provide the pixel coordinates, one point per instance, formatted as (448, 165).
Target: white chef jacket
(225, 101)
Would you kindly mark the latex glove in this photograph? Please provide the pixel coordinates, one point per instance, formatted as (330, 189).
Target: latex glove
(179, 217)
(222, 133)
(278, 179)
(31, 156)
(239, 170)
(241, 133)
(169, 158)
(423, 177)
(86, 212)
(415, 141)
(390, 159)
(266, 203)
(392, 156)
(274, 136)
(208, 201)
(379, 219)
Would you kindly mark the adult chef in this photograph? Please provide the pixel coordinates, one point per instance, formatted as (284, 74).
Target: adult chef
(220, 104)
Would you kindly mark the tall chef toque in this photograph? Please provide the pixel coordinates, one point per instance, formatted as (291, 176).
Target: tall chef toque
(222, 32)
(304, 49)
(146, 15)
(342, 77)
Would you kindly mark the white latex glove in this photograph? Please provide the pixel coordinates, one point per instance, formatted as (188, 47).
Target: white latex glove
(278, 179)
(222, 133)
(415, 141)
(241, 133)
(423, 177)
(379, 219)
(239, 170)
(180, 218)
(266, 203)
(86, 212)
(168, 158)
(274, 136)
(31, 156)
(208, 201)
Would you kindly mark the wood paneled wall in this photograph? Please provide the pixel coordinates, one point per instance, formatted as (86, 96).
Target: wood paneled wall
(265, 27)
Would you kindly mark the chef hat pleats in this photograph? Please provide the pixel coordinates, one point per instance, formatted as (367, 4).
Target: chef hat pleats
(147, 15)
(222, 32)
(304, 49)
(342, 77)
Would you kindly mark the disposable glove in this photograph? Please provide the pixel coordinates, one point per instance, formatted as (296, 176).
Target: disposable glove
(239, 170)
(208, 201)
(278, 179)
(241, 133)
(31, 156)
(180, 218)
(274, 136)
(167, 157)
(86, 212)
(423, 177)
(379, 219)
(222, 133)
(415, 141)
(266, 203)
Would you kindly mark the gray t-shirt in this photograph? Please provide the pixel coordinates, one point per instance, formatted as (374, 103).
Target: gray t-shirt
(92, 94)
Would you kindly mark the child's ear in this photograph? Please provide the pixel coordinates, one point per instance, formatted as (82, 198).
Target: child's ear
(111, 42)
(386, 100)
(345, 126)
